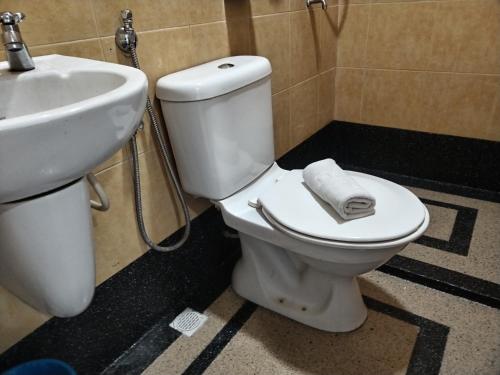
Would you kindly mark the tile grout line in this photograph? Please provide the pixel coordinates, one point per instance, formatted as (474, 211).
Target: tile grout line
(365, 68)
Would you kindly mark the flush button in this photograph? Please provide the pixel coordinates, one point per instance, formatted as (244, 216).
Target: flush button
(226, 66)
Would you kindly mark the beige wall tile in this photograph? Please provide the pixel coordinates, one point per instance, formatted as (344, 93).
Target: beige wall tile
(348, 93)
(305, 41)
(107, 15)
(164, 51)
(271, 38)
(354, 2)
(394, 98)
(281, 122)
(16, 319)
(303, 110)
(260, 7)
(204, 11)
(89, 49)
(492, 131)
(301, 4)
(327, 55)
(446, 103)
(466, 38)
(154, 14)
(462, 104)
(147, 14)
(399, 35)
(441, 36)
(353, 33)
(54, 21)
(116, 158)
(326, 98)
(117, 241)
(237, 9)
(209, 42)
(239, 36)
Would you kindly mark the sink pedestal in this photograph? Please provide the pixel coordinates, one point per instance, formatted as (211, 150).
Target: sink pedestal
(47, 252)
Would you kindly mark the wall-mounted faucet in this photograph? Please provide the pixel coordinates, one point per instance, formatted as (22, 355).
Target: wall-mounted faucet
(17, 52)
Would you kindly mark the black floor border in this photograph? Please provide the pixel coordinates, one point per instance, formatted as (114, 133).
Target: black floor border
(142, 353)
(426, 358)
(437, 186)
(458, 161)
(443, 279)
(132, 307)
(461, 235)
(428, 351)
(219, 342)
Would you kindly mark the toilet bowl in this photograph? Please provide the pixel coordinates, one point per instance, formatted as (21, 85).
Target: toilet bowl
(299, 258)
(309, 278)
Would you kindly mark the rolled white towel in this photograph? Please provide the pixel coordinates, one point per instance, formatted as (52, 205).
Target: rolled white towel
(337, 188)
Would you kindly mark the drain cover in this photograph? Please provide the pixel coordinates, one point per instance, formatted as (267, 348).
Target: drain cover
(188, 322)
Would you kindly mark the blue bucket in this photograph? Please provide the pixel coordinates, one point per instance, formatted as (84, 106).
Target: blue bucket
(42, 367)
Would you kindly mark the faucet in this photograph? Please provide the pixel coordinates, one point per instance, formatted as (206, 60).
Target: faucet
(17, 52)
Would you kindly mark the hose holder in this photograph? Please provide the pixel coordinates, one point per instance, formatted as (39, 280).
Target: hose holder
(323, 3)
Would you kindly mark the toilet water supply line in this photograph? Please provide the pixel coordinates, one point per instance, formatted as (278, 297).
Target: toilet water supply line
(126, 40)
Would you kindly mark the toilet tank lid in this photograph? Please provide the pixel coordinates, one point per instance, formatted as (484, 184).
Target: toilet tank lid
(212, 79)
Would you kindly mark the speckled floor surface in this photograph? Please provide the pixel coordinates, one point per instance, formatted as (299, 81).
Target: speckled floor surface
(473, 248)
(461, 337)
(410, 329)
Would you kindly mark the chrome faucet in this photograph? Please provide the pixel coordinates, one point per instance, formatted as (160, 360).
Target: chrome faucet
(17, 52)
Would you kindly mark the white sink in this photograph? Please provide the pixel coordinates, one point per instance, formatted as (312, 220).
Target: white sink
(62, 119)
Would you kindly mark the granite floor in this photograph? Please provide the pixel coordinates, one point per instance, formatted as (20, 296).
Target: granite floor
(463, 236)
(411, 328)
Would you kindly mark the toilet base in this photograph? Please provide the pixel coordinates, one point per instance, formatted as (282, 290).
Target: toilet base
(280, 280)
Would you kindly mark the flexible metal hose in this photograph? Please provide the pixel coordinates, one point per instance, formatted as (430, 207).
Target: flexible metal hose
(168, 163)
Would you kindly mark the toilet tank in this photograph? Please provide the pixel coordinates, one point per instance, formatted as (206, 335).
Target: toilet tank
(219, 121)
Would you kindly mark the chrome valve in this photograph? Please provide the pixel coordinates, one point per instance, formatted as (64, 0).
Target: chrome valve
(125, 36)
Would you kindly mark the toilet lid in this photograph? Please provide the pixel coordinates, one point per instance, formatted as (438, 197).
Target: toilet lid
(398, 211)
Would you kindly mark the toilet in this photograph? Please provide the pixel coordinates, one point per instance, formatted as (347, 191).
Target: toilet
(299, 258)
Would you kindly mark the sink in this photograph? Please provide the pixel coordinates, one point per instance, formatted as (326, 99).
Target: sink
(62, 119)
(57, 123)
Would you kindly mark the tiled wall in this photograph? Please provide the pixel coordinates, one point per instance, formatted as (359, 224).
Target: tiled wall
(423, 65)
(173, 35)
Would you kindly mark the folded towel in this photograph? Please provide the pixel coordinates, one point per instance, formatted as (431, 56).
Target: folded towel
(337, 188)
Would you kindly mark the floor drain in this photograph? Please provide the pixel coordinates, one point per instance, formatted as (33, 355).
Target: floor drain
(188, 322)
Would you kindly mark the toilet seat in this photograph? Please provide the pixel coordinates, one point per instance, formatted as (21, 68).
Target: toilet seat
(350, 245)
(291, 207)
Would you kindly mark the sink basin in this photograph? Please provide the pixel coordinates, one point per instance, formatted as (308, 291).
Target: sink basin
(62, 119)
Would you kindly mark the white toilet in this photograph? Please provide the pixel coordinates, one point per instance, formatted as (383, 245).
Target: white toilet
(299, 258)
